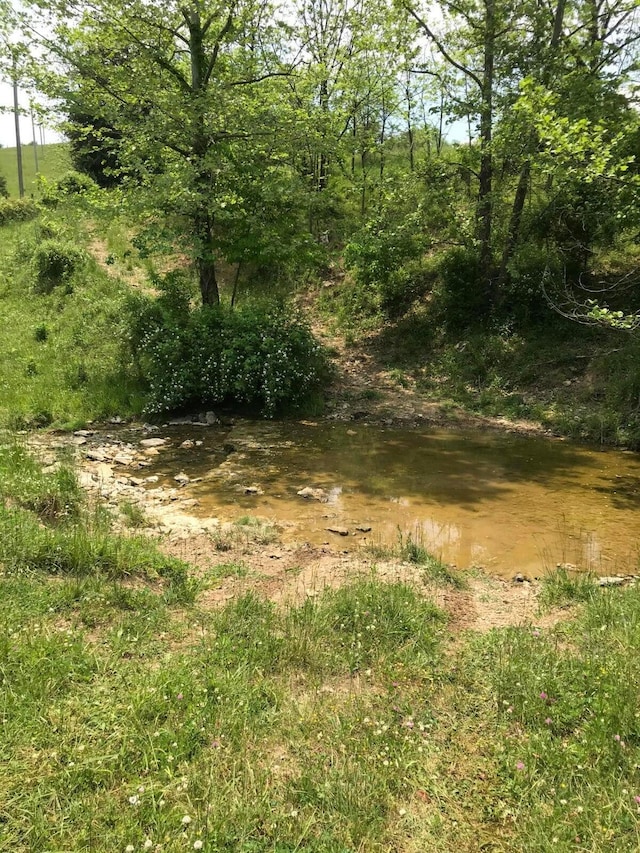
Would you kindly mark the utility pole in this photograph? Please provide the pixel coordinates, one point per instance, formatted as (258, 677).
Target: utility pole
(17, 120)
(35, 144)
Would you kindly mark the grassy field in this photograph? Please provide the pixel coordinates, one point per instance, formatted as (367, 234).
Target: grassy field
(53, 162)
(133, 717)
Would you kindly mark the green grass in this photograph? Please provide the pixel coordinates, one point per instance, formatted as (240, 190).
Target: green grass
(61, 360)
(132, 717)
(409, 547)
(126, 720)
(563, 587)
(53, 162)
(570, 727)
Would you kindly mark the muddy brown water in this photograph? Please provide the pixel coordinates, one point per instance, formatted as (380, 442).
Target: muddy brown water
(503, 502)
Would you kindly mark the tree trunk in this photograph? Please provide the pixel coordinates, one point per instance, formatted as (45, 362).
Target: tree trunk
(208, 282)
(410, 139)
(323, 164)
(202, 221)
(205, 261)
(514, 222)
(484, 211)
(520, 197)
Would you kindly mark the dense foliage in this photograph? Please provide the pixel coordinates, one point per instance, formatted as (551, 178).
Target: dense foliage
(17, 210)
(259, 355)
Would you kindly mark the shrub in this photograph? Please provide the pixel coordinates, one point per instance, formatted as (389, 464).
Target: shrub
(17, 210)
(460, 299)
(54, 263)
(534, 271)
(259, 356)
(74, 183)
(4, 192)
(377, 256)
(70, 184)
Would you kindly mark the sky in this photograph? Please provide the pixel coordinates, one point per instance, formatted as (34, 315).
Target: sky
(7, 127)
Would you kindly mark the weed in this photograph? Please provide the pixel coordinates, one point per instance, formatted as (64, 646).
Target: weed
(134, 514)
(410, 548)
(227, 570)
(564, 587)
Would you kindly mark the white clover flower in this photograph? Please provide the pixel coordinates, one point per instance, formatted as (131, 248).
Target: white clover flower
(186, 820)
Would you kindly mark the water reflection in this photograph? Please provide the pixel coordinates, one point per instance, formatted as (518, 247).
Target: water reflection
(511, 503)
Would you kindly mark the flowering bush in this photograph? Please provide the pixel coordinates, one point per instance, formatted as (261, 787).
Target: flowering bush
(260, 356)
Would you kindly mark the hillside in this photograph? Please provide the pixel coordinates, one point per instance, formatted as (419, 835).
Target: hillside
(53, 162)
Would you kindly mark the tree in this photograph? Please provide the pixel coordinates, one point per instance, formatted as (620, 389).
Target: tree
(192, 89)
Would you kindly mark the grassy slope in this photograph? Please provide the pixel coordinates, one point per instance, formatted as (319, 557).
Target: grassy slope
(579, 381)
(60, 358)
(133, 719)
(53, 162)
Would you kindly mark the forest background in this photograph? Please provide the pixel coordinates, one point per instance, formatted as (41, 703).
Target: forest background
(279, 148)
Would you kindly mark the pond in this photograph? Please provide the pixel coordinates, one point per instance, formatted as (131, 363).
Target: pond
(499, 501)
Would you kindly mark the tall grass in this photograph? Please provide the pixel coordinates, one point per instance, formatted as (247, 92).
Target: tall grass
(62, 359)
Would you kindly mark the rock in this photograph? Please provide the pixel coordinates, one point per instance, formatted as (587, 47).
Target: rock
(135, 481)
(251, 490)
(615, 580)
(187, 444)
(123, 459)
(151, 451)
(341, 531)
(228, 447)
(152, 479)
(519, 578)
(83, 433)
(351, 432)
(116, 420)
(150, 428)
(199, 443)
(364, 528)
(104, 472)
(97, 455)
(309, 493)
(153, 442)
(182, 478)
(86, 480)
(211, 418)
(78, 440)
